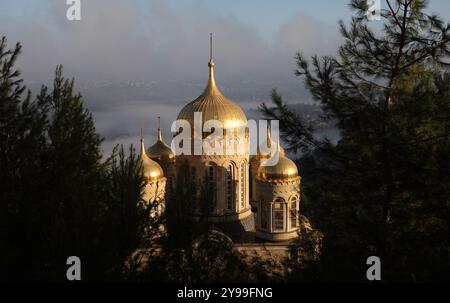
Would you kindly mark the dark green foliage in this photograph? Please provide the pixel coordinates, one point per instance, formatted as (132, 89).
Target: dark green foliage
(384, 188)
(57, 197)
(209, 258)
(22, 128)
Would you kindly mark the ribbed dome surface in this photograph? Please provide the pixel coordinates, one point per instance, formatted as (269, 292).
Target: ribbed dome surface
(214, 106)
(284, 170)
(151, 170)
(160, 151)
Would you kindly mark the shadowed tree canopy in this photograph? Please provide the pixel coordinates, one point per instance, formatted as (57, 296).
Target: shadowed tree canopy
(384, 188)
(57, 197)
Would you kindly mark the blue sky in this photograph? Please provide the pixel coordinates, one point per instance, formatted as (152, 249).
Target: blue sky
(264, 15)
(251, 36)
(167, 40)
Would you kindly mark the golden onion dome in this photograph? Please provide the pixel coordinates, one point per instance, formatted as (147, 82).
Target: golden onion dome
(160, 151)
(284, 170)
(151, 170)
(214, 106)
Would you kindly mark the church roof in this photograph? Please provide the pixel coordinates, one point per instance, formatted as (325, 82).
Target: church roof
(151, 170)
(214, 106)
(160, 151)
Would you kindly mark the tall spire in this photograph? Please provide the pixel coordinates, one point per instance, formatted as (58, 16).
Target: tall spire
(142, 143)
(211, 82)
(210, 47)
(159, 129)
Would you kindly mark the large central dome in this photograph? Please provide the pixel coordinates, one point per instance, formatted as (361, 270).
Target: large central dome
(214, 106)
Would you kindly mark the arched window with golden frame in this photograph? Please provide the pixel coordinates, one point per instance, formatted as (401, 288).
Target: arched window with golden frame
(229, 186)
(278, 214)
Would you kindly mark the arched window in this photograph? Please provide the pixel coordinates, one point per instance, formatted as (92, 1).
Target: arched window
(242, 184)
(278, 217)
(293, 213)
(229, 187)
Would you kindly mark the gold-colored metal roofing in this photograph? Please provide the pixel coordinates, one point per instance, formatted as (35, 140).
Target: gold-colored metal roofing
(160, 151)
(152, 171)
(214, 106)
(284, 170)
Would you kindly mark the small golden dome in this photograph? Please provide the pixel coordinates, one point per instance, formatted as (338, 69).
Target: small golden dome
(160, 151)
(152, 171)
(284, 170)
(214, 106)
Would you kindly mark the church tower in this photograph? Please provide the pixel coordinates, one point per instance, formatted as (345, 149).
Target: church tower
(277, 199)
(227, 173)
(155, 183)
(165, 157)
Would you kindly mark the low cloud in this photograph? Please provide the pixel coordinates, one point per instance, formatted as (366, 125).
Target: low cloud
(126, 42)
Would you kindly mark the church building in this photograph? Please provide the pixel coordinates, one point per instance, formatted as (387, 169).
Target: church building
(270, 212)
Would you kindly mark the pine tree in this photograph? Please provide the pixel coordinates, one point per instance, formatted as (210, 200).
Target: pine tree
(22, 140)
(58, 199)
(382, 190)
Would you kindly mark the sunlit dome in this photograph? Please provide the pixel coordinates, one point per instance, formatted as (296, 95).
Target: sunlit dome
(152, 171)
(214, 106)
(284, 170)
(160, 151)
